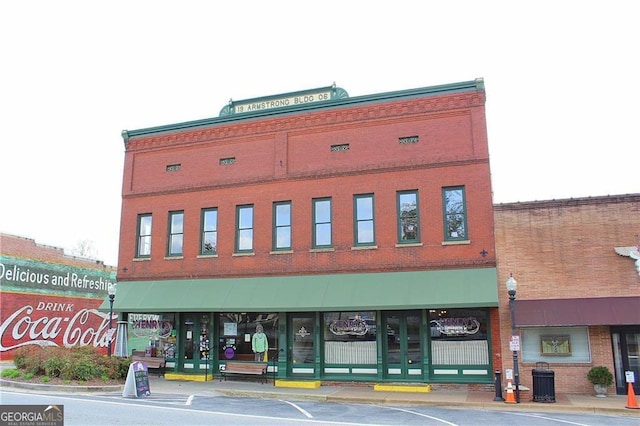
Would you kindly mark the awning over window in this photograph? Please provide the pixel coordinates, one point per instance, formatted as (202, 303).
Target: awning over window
(385, 291)
(587, 311)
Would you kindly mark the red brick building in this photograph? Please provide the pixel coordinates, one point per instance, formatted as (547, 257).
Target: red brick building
(49, 298)
(578, 294)
(358, 232)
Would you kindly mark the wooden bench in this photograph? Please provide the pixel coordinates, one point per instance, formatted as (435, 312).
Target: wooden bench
(244, 369)
(155, 362)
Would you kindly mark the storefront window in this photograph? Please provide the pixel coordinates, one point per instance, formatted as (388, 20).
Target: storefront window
(153, 333)
(350, 338)
(555, 344)
(459, 337)
(248, 336)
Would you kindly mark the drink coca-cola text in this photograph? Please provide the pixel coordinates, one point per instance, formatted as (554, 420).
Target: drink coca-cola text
(85, 327)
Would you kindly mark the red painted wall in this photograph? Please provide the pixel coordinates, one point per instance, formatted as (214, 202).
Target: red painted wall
(50, 299)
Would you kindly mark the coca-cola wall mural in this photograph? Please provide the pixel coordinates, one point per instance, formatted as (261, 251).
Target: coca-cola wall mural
(50, 304)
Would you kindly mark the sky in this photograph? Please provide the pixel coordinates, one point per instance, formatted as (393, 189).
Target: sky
(561, 80)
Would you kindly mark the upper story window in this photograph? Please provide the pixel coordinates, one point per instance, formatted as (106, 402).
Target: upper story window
(408, 217)
(176, 234)
(282, 225)
(406, 140)
(244, 229)
(363, 217)
(209, 236)
(455, 214)
(340, 147)
(321, 223)
(143, 240)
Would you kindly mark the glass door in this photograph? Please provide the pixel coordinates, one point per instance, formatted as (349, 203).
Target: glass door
(626, 357)
(196, 338)
(302, 349)
(403, 345)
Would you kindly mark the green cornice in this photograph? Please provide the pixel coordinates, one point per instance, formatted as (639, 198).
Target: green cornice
(340, 101)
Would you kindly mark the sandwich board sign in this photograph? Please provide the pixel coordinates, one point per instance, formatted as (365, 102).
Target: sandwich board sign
(137, 383)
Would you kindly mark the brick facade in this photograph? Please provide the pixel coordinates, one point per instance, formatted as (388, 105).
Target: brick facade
(290, 158)
(422, 140)
(28, 248)
(560, 249)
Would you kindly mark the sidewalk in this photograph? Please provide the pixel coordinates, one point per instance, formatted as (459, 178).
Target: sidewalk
(612, 404)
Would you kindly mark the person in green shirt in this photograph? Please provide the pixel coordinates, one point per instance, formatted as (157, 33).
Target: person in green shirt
(259, 343)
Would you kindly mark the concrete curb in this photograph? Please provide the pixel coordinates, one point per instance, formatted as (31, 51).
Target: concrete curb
(61, 388)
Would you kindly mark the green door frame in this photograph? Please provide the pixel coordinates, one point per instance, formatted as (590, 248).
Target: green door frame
(303, 345)
(197, 343)
(401, 338)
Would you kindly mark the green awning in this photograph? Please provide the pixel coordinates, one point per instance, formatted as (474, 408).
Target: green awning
(337, 292)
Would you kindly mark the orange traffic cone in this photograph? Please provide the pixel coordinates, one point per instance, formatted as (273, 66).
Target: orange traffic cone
(511, 399)
(632, 402)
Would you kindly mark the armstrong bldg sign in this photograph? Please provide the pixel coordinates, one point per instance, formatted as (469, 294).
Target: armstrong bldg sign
(294, 99)
(49, 303)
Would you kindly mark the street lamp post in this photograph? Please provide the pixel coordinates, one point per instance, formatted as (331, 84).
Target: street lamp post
(511, 288)
(112, 295)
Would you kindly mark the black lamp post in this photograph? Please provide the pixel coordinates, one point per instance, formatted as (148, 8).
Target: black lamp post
(112, 295)
(512, 284)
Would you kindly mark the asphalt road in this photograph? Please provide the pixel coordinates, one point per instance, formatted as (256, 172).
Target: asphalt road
(168, 409)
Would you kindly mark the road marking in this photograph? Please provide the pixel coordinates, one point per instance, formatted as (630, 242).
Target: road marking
(537, 416)
(190, 410)
(302, 410)
(422, 415)
(189, 400)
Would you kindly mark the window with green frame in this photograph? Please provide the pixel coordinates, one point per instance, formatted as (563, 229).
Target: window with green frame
(364, 230)
(176, 234)
(143, 239)
(408, 217)
(282, 225)
(455, 214)
(322, 223)
(209, 236)
(244, 229)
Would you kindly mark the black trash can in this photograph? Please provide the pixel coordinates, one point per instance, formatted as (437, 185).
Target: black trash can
(544, 387)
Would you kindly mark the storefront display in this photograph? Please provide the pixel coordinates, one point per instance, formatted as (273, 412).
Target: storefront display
(237, 332)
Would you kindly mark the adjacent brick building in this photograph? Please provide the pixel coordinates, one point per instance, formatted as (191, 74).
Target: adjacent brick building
(49, 298)
(578, 294)
(358, 232)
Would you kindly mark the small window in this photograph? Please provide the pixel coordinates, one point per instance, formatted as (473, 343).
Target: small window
(408, 140)
(322, 223)
(209, 243)
(227, 161)
(282, 225)
(363, 218)
(244, 229)
(455, 216)
(173, 167)
(143, 244)
(408, 217)
(340, 147)
(176, 233)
